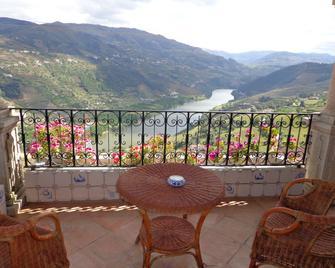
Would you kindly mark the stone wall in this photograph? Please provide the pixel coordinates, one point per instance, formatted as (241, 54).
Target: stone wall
(10, 161)
(79, 184)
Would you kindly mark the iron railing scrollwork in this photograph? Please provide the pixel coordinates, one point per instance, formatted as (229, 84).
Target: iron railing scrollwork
(83, 138)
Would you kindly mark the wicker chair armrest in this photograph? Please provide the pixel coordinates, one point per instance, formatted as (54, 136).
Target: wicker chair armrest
(289, 185)
(35, 219)
(284, 230)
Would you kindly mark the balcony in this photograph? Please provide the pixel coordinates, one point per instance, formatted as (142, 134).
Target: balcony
(77, 155)
(72, 160)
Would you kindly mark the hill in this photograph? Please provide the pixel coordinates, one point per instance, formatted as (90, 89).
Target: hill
(266, 62)
(105, 63)
(296, 76)
(278, 60)
(245, 57)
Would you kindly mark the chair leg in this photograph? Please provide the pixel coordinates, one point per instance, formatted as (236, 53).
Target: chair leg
(198, 257)
(253, 264)
(146, 259)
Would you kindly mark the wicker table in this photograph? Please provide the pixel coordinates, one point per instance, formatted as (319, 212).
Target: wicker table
(147, 188)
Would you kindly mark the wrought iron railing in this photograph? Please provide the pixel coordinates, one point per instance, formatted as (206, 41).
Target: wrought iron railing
(79, 138)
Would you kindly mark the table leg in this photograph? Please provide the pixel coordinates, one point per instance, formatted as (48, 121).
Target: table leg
(137, 240)
(197, 256)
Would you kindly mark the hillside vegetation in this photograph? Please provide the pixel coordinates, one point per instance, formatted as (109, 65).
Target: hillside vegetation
(300, 76)
(92, 66)
(110, 63)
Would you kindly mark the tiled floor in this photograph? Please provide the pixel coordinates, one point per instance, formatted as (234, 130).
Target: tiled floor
(103, 235)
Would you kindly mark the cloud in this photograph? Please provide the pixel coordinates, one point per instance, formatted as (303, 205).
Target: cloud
(231, 25)
(199, 2)
(81, 11)
(107, 12)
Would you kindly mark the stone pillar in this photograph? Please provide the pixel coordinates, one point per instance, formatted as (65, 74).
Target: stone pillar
(11, 175)
(321, 154)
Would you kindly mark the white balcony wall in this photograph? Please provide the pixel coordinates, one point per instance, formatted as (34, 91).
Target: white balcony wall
(93, 184)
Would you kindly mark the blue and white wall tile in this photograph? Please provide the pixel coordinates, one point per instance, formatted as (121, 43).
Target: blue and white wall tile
(46, 194)
(259, 176)
(111, 194)
(230, 190)
(79, 178)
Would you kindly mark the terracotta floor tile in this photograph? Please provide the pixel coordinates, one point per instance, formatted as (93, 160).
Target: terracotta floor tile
(233, 229)
(83, 233)
(109, 246)
(103, 235)
(115, 220)
(241, 257)
(218, 246)
(85, 259)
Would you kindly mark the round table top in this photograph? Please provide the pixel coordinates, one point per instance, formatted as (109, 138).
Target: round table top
(147, 188)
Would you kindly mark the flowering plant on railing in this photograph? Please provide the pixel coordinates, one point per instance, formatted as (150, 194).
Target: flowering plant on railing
(295, 152)
(217, 152)
(235, 149)
(274, 136)
(61, 145)
(153, 148)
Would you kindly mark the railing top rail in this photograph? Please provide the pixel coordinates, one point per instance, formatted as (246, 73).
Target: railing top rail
(160, 111)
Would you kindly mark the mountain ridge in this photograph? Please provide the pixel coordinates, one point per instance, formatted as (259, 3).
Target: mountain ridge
(128, 59)
(254, 58)
(299, 75)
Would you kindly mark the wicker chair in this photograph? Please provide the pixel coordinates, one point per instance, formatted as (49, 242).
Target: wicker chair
(25, 245)
(317, 199)
(170, 236)
(297, 233)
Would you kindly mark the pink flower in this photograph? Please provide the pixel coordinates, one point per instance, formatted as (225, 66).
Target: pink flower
(68, 146)
(239, 146)
(264, 125)
(35, 147)
(213, 155)
(54, 145)
(293, 139)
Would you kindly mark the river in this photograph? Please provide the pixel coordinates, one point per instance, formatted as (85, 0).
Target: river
(131, 135)
(219, 96)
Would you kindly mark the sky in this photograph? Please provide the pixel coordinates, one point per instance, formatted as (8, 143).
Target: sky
(227, 25)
